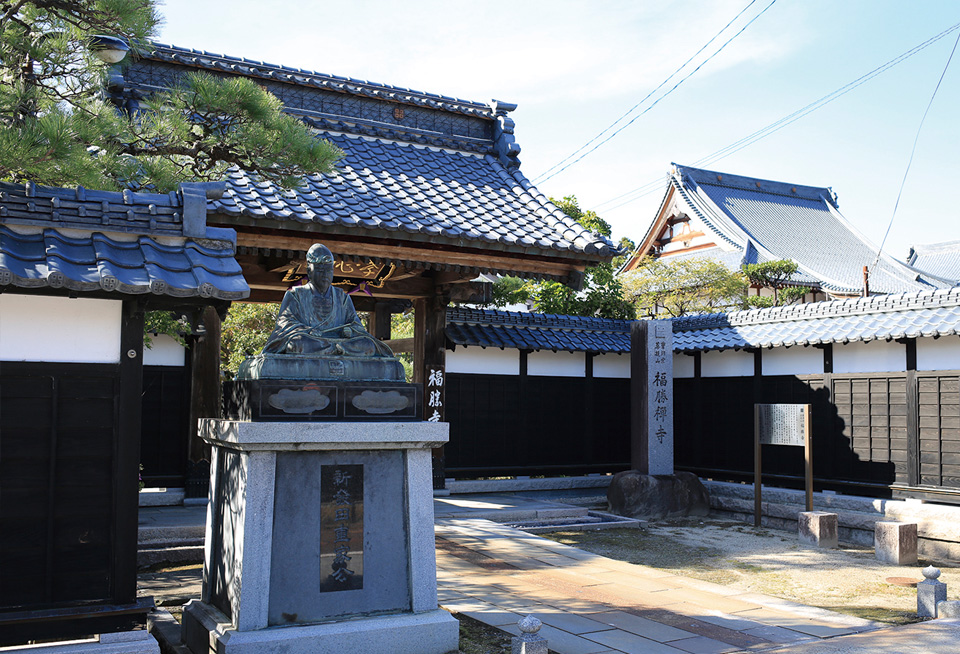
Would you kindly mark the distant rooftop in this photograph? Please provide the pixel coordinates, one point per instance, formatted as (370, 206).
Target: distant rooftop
(765, 220)
(940, 259)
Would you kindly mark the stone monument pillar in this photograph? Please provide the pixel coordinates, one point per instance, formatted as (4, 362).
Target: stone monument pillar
(320, 522)
(651, 397)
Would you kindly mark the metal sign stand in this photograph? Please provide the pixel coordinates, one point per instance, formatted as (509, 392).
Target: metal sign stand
(781, 424)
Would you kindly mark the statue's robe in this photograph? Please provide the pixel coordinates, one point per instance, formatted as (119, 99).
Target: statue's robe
(321, 323)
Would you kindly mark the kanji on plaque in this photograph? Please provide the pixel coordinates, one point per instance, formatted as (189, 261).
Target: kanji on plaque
(434, 393)
(341, 527)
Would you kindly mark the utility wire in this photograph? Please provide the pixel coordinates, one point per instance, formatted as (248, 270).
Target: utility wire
(913, 150)
(646, 97)
(544, 178)
(764, 132)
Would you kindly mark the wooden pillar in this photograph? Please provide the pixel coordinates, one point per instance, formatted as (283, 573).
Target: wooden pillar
(127, 461)
(429, 338)
(913, 414)
(380, 320)
(205, 382)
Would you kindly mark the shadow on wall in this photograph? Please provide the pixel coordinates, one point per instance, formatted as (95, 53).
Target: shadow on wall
(859, 431)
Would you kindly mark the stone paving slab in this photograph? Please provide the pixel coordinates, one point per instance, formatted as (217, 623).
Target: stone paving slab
(616, 605)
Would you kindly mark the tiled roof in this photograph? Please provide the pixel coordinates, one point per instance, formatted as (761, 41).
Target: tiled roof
(879, 317)
(299, 76)
(789, 221)
(418, 166)
(939, 259)
(883, 317)
(536, 331)
(127, 243)
(404, 191)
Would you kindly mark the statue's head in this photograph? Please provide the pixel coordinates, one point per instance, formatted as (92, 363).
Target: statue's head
(320, 267)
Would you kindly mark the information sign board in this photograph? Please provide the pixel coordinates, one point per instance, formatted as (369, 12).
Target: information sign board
(782, 424)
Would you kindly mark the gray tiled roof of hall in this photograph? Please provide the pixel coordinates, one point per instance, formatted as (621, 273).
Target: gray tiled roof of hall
(801, 223)
(940, 259)
(444, 172)
(536, 331)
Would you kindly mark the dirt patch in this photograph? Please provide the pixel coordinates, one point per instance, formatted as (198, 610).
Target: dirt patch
(847, 580)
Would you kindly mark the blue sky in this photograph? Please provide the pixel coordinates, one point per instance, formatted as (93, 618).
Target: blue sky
(574, 67)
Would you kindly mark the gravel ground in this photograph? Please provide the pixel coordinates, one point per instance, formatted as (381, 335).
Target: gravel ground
(847, 580)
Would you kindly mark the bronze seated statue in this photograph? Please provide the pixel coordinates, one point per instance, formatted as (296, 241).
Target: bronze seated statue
(318, 335)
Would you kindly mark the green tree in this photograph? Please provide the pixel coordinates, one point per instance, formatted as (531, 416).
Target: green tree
(684, 286)
(57, 129)
(602, 294)
(245, 332)
(775, 275)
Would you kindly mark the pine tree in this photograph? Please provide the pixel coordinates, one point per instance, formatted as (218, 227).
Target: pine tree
(57, 127)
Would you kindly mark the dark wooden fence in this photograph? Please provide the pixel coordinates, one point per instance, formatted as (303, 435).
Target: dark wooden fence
(524, 425)
(67, 519)
(879, 434)
(165, 430)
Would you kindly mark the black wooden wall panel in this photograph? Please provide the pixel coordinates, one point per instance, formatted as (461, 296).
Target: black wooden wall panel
(939, 427)
(511, 425)
(165, 425)
(57, 439)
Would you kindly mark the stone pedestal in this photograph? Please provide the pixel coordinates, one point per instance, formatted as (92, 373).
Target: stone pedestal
(121, 642)
(320, 539)
(818, 528)
(896, 542)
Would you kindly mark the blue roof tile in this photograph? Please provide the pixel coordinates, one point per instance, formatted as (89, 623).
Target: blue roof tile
(84, 249)
(533, 331)
(467, 193)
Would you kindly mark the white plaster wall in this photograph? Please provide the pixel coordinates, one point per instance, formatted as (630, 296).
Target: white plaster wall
(682, 366)
(726, 363)
(795, 360)
(938, 354)
(483, 361)
(547, 363)
(165, 351)
(57, 329)
(612, 366)
(875, 356)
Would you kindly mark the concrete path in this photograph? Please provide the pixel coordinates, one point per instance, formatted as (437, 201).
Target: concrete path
(592, 605)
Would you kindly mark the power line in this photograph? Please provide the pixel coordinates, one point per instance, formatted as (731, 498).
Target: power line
(913, 150)
(544, 178)
(776, 126)
(647, 96)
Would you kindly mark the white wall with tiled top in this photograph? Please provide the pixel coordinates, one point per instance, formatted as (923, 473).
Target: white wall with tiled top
(938, 353)
(796, 360)
(483, 361)
(726, 363)
(874, 356)
(164, 351)
(612, 366)
(546, 363)
(59, 329)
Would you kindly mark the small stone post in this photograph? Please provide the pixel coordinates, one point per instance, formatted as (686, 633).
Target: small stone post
(818, 528)
(896, 542)
(929, 593)
(529, 641)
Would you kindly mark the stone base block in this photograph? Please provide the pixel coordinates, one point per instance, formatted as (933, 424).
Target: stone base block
(636, 495)
(896, 542)
(207, 631)
(123, 642)
(818, 528)
(948, 609)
